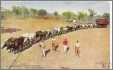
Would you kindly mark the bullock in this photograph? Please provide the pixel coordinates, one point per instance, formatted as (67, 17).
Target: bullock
(95, 25)
(69, 28)
(76, 26)
(58, 31)
(18, 44)
(87, 25)
(29, 38)
(41, 35)
(54, 31)
(38, 36)
(82, 26)
(73, 27)
(63, 30)
(14, 44)
(45, 35)
(27, 42)
(91, 25)
(9, 44)
(74, 21)
(48, 34)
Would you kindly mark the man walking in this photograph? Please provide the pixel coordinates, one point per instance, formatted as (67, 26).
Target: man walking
(65, 45)
(43, 48)
(77, 48)
(54, 44)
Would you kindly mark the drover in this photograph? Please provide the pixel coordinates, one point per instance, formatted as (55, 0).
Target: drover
(65, 45)
(77, 48)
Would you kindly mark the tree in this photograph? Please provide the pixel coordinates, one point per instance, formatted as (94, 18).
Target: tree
(69, 16)
(92, 13)
(21, 11)
(33, 12)
(106, 15)
(42, 12)
(25, 12)
(6, 13)
(55, 13)
(16, 11)
(81, 16)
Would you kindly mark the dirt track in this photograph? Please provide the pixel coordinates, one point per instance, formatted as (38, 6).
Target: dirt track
(94, 49)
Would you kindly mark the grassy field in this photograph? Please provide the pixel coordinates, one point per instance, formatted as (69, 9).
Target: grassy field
(94, 46)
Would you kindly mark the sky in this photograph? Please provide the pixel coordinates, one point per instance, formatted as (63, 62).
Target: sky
(51, 6)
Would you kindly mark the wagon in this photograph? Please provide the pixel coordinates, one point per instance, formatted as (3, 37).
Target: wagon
(102, 22)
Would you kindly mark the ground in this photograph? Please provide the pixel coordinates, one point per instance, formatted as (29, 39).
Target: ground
(94, 47)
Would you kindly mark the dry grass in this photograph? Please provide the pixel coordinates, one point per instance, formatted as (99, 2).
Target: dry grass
(94, 46)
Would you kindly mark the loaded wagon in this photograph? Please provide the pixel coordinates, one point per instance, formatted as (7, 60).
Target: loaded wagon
(102, 22)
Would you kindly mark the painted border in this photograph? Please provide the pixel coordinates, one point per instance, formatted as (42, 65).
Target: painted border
(110, 34)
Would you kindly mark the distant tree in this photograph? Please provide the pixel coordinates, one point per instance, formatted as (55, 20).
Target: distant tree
(25, 12)
(17, 11)
(92, 13)
(33, 12)
(2, 15)
(69, 16)
(20, 11)
(42, 12)
(55, 13)
(106, 15)
(6, 13)
(81, 16)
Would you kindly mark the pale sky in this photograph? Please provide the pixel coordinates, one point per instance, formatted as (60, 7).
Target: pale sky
(99, 6)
